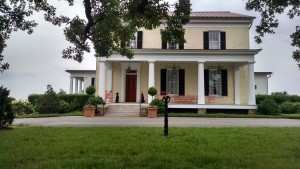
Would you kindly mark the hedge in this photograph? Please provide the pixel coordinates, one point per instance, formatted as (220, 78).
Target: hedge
(279, 99)
(69, 98)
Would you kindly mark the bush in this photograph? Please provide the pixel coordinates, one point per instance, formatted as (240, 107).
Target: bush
(64, 107)
(48, 103)
(278, 98)
(95, 101)
(6, 113)
(22, 107)
(290, 107)
(33, 98)
(90, 90)
(159, 104)
(75, 105)
(268, 107)
(76, 101)
(152, 91)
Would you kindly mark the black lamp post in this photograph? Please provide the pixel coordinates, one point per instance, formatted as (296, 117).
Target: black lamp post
(166, 99)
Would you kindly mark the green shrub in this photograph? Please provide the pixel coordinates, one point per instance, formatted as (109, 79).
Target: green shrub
(75, 105)
(268, 107)
(95, 101)
(76, 101)
(6, 113)
(64, 106)
(48, 103)
(297, 105)
(21, 107)
(33, 98)
(290, 107)
(278, 98)
(159, 104)
(90, 90)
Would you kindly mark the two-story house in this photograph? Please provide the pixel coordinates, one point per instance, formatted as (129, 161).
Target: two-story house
(214, 69)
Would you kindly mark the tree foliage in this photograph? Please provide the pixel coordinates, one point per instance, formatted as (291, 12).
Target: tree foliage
(6, 113)
(268, 10)
(49, 102)
(106, 23)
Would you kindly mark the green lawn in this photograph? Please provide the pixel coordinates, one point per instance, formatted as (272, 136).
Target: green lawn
(133, 147)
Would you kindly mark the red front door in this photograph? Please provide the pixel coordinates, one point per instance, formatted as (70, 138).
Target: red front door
(130, 88)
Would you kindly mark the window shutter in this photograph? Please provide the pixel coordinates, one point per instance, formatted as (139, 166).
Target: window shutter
(224, 83)
(163, 44)
(93, 81)
(140, 39)
(206, 81)
(181, 82)
(163, 84)
(205, 40)
(223, 40)
(123, 44)
(181, 45)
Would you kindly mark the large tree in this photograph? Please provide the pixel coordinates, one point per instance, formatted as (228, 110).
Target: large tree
(268, 10)
(106, 23)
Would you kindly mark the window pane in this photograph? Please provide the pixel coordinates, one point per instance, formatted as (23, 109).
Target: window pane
(215, 82)
(172, 81)
(214, 40)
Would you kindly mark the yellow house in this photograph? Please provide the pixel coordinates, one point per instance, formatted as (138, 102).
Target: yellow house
(214, 69)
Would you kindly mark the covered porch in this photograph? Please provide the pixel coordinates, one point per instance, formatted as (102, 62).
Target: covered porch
(132, 78)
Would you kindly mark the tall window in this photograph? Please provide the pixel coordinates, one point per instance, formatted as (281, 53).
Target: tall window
(172, 81)
(136, 42)
(215, 82)
(214, 40)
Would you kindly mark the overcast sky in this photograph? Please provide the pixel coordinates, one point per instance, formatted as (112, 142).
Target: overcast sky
(35, 60)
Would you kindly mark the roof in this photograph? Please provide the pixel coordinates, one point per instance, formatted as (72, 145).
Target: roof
(81, 71)
(219, 14)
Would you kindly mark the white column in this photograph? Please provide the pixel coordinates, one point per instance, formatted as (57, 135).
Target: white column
(201, 92)
(101, 83)
(151, 80)
(76, 85)
(251, 85)
(86, 83)
(80, 86)
(109, 79)
(237, 94)
(71, 85)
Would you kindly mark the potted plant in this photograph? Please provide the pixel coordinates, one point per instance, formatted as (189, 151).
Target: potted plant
(152, 109)
(89, 109)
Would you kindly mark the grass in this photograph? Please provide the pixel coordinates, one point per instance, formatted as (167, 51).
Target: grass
(133, 147)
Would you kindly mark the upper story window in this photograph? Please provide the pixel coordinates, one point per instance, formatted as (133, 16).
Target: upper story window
(214, 40)
(167, 45)
(136, 42)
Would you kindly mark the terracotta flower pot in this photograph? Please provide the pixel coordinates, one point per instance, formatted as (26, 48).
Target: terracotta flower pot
(89, 111)
(152, 112)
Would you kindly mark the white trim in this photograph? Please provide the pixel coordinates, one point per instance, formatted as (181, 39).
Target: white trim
(102, 79)
(237, 97)
(71, 85)
(151, 78)
(201, 89)
(251, 85)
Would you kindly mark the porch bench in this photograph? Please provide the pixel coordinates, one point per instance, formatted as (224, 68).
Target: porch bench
(185, 99)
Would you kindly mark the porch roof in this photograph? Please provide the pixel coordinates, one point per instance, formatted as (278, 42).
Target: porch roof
(189, 55)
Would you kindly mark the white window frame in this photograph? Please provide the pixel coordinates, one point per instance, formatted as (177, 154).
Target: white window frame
(215, 82)
(172, 45)
(172, 81)
(133, 42)
(214, 40)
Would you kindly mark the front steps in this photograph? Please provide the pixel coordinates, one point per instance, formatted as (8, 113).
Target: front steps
(123, 110)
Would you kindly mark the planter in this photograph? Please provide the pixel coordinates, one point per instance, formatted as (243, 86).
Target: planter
(100, 111)
(89, 111)
(152, 112)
